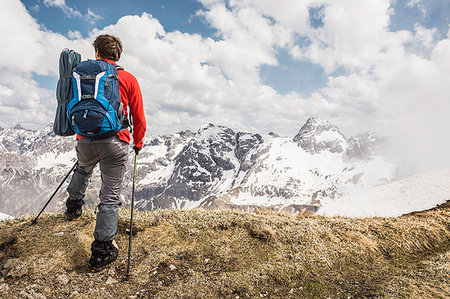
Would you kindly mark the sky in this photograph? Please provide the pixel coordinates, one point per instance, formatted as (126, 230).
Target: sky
(252, 65)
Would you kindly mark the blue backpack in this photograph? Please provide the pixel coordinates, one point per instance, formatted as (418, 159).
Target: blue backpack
(95, 111)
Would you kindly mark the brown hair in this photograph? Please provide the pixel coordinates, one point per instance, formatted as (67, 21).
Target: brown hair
(108, 46)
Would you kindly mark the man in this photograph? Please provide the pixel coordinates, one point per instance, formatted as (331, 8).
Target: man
(112, 154)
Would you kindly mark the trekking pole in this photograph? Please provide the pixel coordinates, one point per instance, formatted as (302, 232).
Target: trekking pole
(131, 218)
(54, 193)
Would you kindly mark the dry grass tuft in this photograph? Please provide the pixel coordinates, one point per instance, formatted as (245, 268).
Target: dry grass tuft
(231, 254)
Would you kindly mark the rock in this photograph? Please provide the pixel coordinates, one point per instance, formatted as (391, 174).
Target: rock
(8, 264)
(112, 271)
(363, 146)
(74, 294)
(4, 288)
(59, 234)
(13, 269)
(319, 135)
(115, 244)
(32, 294)
(37, 295)
(172, 267)
(213, 148)
(62, 279)
(111, 280)
(26, 295)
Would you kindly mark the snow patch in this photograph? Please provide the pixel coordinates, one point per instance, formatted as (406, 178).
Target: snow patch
(5, 217)
(54, 159)
(415, 193)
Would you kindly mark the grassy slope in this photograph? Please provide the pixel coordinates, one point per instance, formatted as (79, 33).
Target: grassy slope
(229, 254)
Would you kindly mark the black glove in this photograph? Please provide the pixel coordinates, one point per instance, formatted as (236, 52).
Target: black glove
(136, 149)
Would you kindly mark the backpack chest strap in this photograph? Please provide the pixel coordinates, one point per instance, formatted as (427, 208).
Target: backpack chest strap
(87, 77)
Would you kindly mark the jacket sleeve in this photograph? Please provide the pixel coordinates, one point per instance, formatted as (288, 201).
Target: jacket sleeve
(137, 112)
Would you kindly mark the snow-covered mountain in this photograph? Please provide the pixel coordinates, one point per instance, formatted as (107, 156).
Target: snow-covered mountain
(214, 167)
(4, 217)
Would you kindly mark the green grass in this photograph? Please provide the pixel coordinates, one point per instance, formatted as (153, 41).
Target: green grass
(230, 254)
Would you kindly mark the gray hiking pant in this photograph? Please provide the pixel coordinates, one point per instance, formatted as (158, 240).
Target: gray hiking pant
(112, 154)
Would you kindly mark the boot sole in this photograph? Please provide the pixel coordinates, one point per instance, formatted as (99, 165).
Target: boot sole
(103, 267)
(95, 270)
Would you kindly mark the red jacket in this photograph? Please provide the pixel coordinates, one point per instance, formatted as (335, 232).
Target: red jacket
(130, 95)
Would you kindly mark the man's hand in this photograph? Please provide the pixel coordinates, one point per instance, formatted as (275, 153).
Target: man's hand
(136, 149)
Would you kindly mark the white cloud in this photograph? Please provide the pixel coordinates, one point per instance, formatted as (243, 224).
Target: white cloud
(30, 49)
(67, 10)
(74, 34)
(92, 17)
(412, 3)
(248, 40)
(24, 102)
(197, 79)
(424, 36)
(353, 35)
(419, 5)
(35, 8)
(6, 91)
(71, 12)
(377, 80)
(388, 84)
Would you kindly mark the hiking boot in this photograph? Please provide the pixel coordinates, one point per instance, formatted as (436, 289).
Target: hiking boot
(103, 254)
(73, 210)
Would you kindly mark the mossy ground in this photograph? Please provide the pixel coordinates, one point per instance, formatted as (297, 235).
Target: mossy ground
(231, 254)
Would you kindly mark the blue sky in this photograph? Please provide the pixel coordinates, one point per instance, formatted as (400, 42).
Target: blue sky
(252, 65)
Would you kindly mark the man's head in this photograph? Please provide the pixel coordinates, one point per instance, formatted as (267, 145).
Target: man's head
(108, 47)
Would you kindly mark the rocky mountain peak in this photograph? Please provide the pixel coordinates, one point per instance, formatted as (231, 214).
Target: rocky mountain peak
(211, 133)
(318, 135)
(212, 158)
(315, 121)
(315, 125)
(18, 127)
(205, 127)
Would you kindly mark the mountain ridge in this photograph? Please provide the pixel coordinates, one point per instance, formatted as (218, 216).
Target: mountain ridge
(214, 167)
